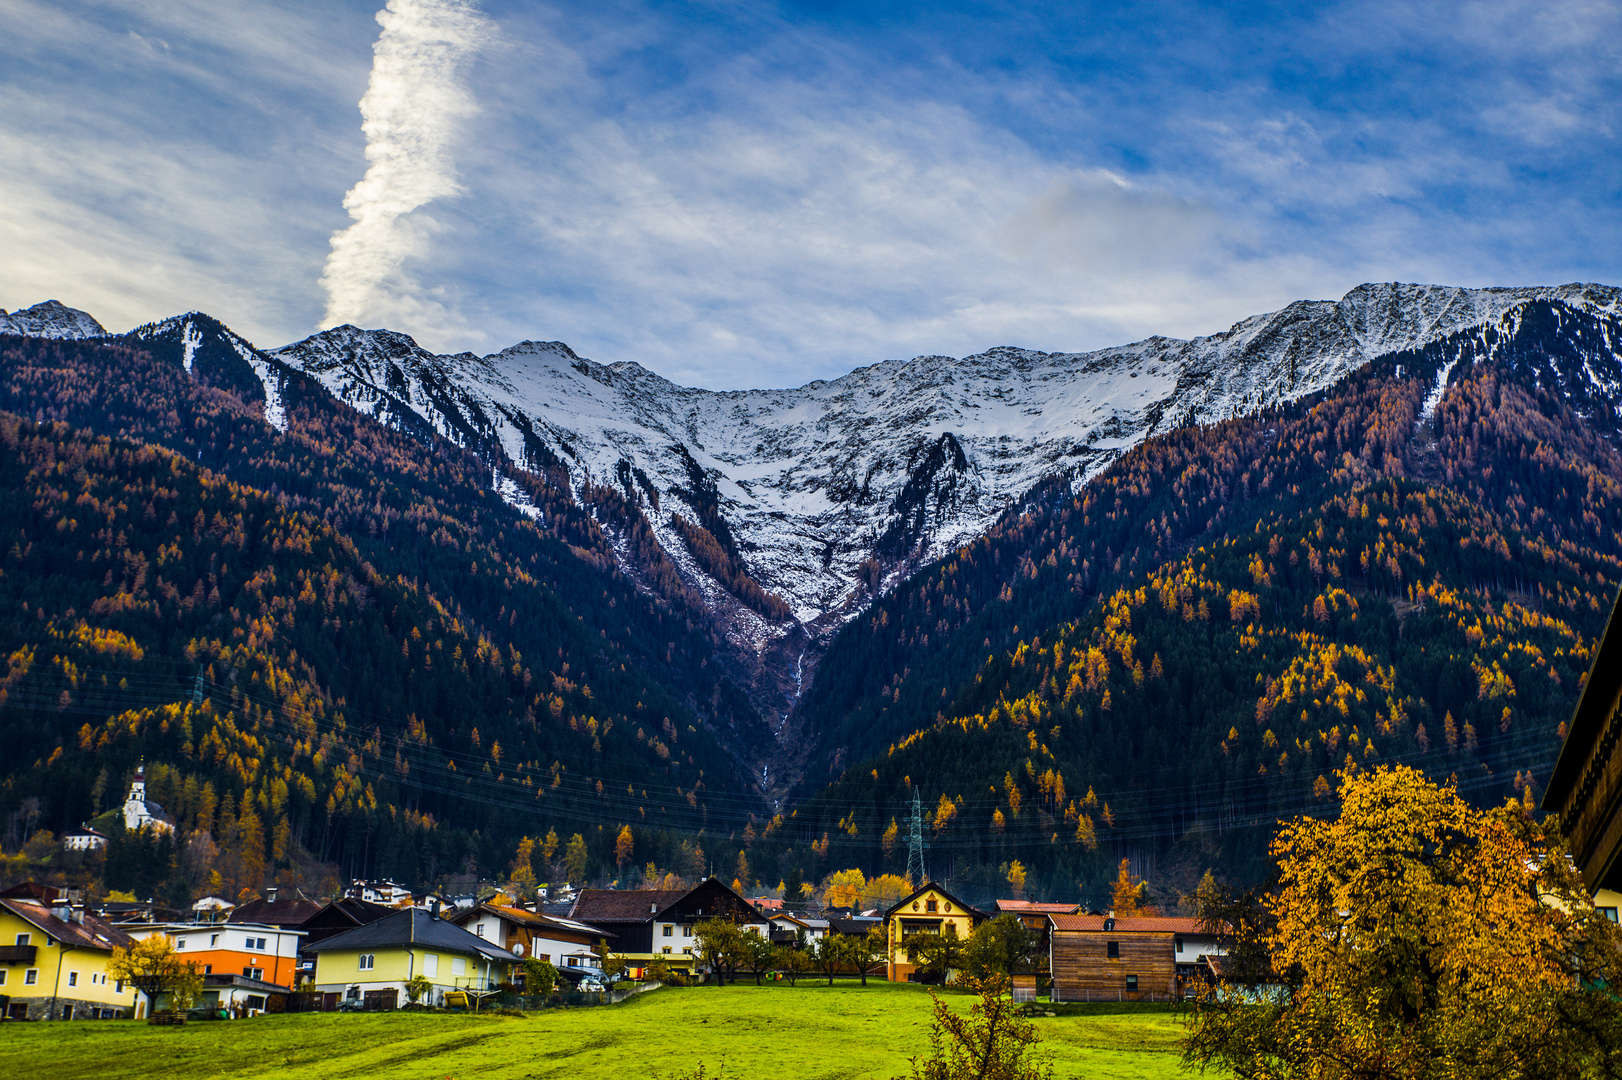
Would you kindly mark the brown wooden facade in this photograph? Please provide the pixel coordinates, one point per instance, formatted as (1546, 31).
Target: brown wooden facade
(1585, 789)
(1095, 958)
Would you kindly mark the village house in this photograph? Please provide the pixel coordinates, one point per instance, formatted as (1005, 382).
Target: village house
(787, 928)
(1132, 958)
(929, 910)
(564, 943)
(660, 924)
(371, 964)
(53, 964)
(260, 952)
(84, 838)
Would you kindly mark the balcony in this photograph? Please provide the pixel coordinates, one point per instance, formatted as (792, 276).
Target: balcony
(18, 954)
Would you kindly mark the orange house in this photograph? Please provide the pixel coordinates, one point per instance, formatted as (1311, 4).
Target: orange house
(255, 950)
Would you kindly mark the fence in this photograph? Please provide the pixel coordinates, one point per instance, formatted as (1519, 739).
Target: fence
(1058, 995)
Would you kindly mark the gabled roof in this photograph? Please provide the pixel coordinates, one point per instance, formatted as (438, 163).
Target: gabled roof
(932, 886)
(287, 912)
(1129, 924)
(414, 926)
(94, 933)
(598, 906)
(623, 905)
(535, 921)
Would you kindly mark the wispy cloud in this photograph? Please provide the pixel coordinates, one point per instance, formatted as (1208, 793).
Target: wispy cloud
(412, 109)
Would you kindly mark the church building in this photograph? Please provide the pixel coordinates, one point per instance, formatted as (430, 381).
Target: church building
(139, 811)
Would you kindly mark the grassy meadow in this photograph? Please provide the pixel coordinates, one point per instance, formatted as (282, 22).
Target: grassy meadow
(807, 1032)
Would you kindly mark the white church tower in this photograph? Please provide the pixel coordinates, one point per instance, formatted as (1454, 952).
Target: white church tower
(138, 811)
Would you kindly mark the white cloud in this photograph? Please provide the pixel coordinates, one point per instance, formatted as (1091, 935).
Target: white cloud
(413, 107)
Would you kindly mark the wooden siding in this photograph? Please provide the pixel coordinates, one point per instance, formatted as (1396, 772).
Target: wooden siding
(1082, 965)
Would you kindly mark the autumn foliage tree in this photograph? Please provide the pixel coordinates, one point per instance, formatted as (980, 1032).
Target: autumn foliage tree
(1415, 936)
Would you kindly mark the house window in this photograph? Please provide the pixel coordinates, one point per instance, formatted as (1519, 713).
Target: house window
(929, 905)
(479, 929)
(213, 940)
(253, 973)
(1113, 950)
(458, 966)
(2, 976)
(73, 978)
(668, 929)
(687, 930)
(31, 976)
(1609, 913)
(180, 943)
(367, 960)
(256, 944)
(208, 969)
(574, 961)
(545, 958)
(430, 964)
(1131, 982)
(665, 950)
(1177, 944)
(23, 939)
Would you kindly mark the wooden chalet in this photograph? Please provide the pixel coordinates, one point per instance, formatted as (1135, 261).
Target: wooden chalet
(1133, 958)
(1585, 789)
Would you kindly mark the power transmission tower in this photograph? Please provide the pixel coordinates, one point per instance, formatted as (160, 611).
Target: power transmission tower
(197, 689)
(916, 874)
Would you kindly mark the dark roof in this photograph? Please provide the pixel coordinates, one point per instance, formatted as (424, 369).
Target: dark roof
(287, 912)
(532, 919)
(858, 925)
(1130, 924)
(414, 926)
(926, 887)
(622, 905)
(1579, 791)
(94, 933)
(30, 890)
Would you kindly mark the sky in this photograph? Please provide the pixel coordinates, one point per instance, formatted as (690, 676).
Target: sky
(752, 195)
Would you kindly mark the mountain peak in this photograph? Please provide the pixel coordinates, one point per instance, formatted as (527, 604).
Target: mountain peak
(51, 319)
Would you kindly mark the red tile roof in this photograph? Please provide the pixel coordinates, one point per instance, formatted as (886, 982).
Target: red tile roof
(1031, 907)
(1128, 924)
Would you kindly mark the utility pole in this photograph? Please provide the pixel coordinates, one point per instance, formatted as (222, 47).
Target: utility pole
(916, 874)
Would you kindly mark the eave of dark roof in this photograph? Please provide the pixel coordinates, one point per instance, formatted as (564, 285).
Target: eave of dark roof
(93, 933)
(1588, 718)
(413, 927)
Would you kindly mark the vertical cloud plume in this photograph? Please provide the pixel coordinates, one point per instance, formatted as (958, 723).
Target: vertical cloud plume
(410, 112)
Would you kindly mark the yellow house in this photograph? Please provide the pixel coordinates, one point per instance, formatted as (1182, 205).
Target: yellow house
(930, 910)
(372, 964)
(53, 964)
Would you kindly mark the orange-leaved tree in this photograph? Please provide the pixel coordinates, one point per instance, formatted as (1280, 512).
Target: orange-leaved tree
(1416, 936)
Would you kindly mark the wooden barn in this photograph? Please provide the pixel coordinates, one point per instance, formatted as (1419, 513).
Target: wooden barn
(1133, 958)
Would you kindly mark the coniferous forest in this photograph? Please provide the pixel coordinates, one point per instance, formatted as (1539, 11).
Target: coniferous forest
(341, 654)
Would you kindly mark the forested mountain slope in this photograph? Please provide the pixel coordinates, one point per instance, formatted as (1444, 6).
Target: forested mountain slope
(1413, 564)
(411, 671)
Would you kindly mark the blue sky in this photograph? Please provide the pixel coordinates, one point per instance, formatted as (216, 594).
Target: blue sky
(748, 195)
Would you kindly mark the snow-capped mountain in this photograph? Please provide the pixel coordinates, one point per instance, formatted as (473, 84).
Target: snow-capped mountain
(50, 319)
(892, 464)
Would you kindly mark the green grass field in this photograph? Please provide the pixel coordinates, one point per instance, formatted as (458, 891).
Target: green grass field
(777, 1031)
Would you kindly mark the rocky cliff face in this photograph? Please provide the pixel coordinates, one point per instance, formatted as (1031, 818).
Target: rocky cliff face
(829, 490)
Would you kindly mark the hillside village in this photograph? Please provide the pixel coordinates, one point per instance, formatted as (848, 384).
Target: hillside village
(382, 946)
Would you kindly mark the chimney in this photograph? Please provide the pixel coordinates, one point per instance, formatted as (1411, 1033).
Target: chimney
(270, 895)
(433, 908)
